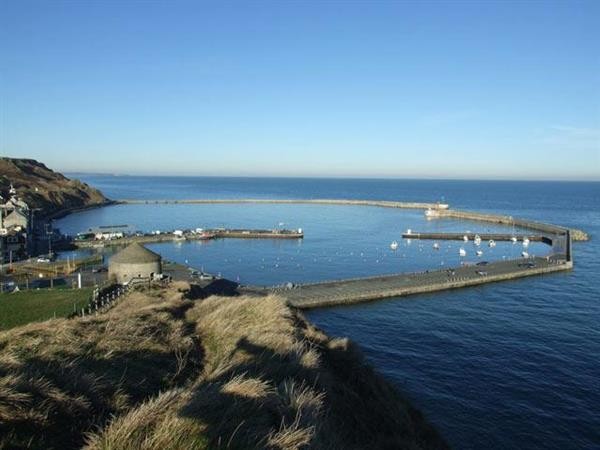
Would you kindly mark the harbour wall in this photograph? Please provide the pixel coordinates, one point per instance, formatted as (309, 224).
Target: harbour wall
(379, 203)
(214, 234)
(345, 292)
(576, 235)
(482, 236)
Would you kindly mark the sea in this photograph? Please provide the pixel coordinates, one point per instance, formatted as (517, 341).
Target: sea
(511, 365)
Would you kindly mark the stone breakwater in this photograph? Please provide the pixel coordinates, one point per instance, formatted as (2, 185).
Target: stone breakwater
(344, 292)
(378, 203)
(576, 235)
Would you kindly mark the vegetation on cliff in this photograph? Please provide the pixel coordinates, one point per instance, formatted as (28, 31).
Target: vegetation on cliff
(44, 189)
(160, 371)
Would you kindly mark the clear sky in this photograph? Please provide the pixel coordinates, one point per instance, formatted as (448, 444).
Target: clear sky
(443, 89)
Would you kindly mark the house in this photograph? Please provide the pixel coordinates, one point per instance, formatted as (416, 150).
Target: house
(15, 230)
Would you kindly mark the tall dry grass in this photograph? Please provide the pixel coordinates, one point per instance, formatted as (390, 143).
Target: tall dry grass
(162, 372)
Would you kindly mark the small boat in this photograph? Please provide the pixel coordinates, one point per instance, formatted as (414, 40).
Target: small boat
(409, 231)
(462, 252)
(525, 242)
(477, 240)
(492, 243)
(394, 245)
(466, 238)
(436, 246)
(513, 240)
(479, 253)
(525, 254)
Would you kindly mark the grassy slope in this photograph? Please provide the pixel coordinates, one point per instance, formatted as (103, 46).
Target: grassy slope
(162, 372)
(19, 308)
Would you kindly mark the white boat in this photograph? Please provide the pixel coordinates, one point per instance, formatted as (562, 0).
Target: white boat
(462, 252)
(479, 253)
(436, 246)
(525, 242)
(525, 254)
(492, 243)
(513, 240)
(466, 238)
(394, 245)
(429, 213)
(477, 240)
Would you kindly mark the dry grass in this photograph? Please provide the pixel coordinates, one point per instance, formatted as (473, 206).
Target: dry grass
(161, 372)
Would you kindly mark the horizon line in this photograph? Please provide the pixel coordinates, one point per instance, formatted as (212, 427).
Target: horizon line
(325, 177)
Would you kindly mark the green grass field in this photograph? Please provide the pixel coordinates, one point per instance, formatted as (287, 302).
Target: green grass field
(19, 308)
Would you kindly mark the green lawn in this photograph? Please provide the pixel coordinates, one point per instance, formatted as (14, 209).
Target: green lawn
(22, 307)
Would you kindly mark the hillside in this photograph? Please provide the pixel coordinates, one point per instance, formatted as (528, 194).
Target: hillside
(45, 189)
(160, 371)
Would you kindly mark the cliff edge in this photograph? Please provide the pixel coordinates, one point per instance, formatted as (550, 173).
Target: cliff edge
(41, 188)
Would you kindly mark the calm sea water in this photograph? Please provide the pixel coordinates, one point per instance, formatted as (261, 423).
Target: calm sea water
(508, 365)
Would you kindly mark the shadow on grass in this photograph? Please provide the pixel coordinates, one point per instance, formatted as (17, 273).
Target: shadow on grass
(361, 409)
(54, 401)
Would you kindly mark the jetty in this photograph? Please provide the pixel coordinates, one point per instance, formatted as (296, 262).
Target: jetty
(482, 236)
(219, 233)
(546, 228)
(344, 292)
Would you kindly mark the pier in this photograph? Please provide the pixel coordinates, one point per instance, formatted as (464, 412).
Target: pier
(356, 290)
(546, 228)
(471, 237)
(378, 203)
(220, 233)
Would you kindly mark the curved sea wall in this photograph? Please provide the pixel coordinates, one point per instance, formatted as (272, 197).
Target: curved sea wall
(576, 235)
(438, 210)
(379, 203)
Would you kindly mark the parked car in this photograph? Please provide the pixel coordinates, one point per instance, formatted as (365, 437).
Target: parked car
(481, 273)
(482, 263)
(43, 260)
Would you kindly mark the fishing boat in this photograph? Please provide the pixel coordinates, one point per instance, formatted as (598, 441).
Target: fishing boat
(466, 238)
(513, 240)
(525, 254)
(492, 243)
(436, 246)
(477, 240)
(462, 252)
(394, 245)
(525, 242)
(479, 253)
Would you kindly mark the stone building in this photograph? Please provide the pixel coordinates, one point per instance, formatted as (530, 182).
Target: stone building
(134, 262)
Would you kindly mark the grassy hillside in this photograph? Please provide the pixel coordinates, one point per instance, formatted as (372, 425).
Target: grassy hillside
(19, 308)
(43, 188)
(159, 371)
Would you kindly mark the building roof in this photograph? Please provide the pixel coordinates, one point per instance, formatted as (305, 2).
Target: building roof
(135, 253)
(17, 215)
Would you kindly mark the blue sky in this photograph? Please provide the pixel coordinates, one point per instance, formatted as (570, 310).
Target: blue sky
(304, 88)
